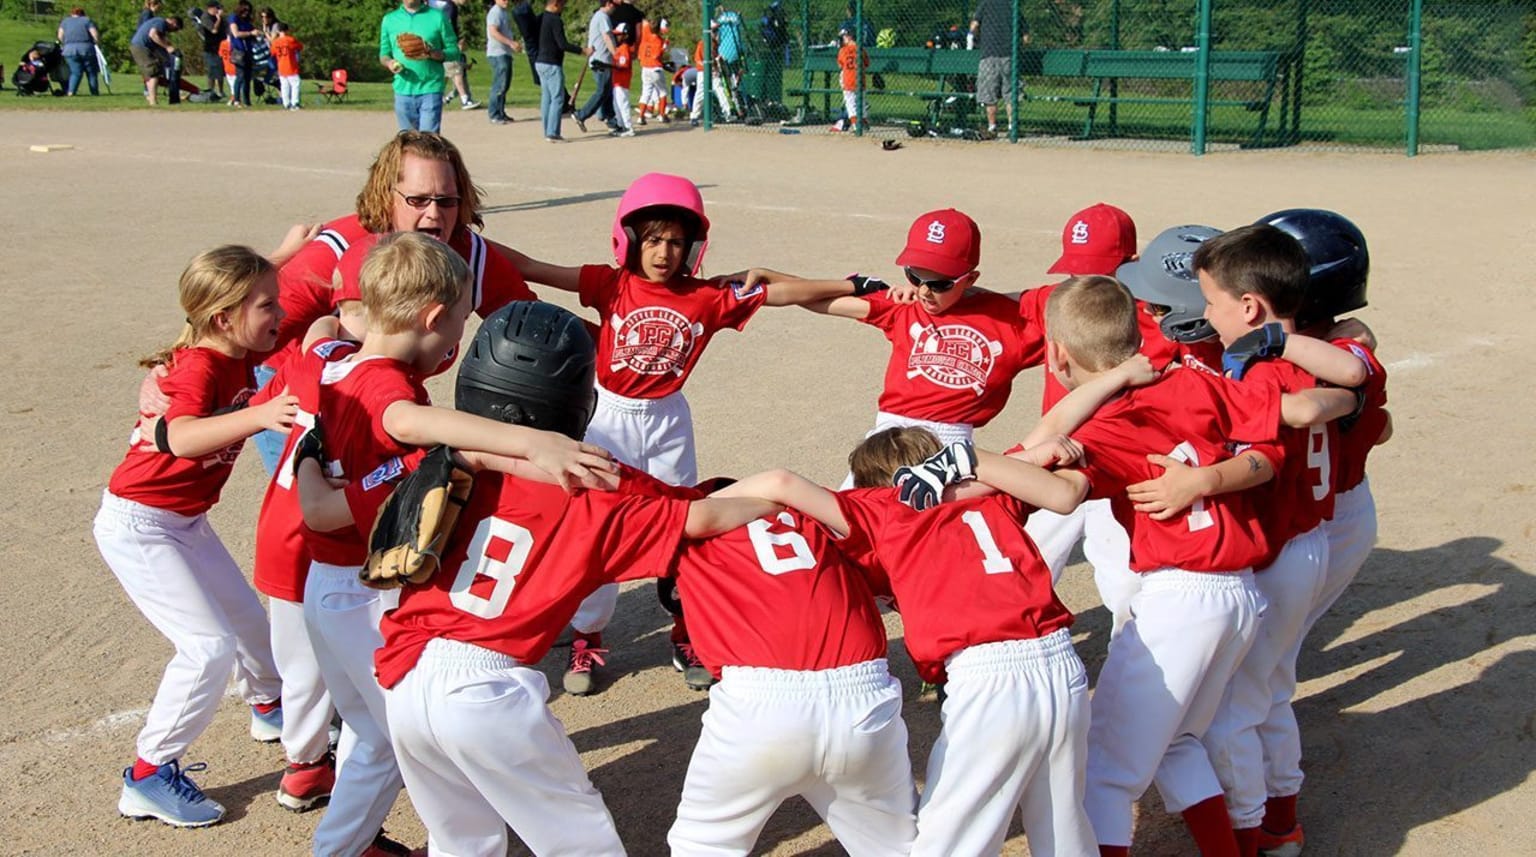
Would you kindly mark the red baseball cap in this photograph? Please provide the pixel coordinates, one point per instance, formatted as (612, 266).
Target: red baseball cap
(350, 269)
(1096, 240)
(946, 242)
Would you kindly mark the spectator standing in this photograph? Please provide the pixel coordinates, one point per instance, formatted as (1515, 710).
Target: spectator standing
(151, 10)
(155, 56)
(78, 35)
(600, 60)
(993, 26)
(527, 22)
(213, 28)
(454, 69)
(242, 33)
(550, 66)
(626, 13)
(285, 49)
(418, 80)
(269, 22)
(499, 48)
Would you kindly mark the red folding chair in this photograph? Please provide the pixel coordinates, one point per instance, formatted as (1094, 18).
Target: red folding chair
(337, 91)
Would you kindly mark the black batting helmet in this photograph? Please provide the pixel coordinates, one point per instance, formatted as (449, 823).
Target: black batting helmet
(1340, 261)
(530, 364)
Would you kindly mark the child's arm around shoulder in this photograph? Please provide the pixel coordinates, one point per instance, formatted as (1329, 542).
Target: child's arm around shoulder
(568, 461)
(716, 514)
(787, 488)
(1075, 408)
(1059, 491)
(563, 277)
(196, 435)
(846, 298)
(1180, 485)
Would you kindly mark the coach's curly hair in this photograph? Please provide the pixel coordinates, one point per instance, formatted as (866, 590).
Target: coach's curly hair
(376, 201)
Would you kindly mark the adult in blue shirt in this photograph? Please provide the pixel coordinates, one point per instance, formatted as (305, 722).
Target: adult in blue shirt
(242, 35)
(78, 35)
(155, 56)
(600, 58)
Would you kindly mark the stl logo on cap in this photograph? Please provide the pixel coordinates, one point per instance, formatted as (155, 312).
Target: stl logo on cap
(1080, 232)
(936, 232)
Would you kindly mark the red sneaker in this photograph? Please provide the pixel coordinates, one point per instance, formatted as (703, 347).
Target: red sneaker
(305, 787)
(1282, 844)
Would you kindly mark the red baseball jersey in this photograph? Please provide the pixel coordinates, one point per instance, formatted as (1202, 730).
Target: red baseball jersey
(282, 556)
(521, 559)
(962, 573)
(1305, 459)
(200, 383)
(653, 333)
(304, 284)
(777, 593)
(353, 396)
(1189, 415)
(1357, 441)
(957, 367)
(1158, 348)
(496, 281)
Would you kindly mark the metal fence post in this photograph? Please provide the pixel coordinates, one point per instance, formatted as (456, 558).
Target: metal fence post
(707, 74)
(1016, 71)
(1202, 77)
(858, 66)
(1415, 66)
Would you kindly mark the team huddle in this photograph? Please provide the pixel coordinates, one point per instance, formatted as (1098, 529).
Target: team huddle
(1206, 421)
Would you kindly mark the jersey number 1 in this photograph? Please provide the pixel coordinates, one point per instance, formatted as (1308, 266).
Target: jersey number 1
(1198, 518)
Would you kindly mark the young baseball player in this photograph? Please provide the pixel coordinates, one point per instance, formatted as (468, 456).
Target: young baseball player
(791, 629)
(285, 49)
(375, 412)
(477, 745)
(654, 48)
(1195, 612)
(153, 530)
(849, 62)
(657, 318)
(956, 348)
(623, 76)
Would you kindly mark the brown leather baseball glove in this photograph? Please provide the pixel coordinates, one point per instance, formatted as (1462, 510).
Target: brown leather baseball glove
(413, 46)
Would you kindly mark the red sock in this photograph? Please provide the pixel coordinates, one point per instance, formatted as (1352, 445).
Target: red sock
(679, 631)
(267, 707)
(593, 640)
(1114, 851)
(1247, 841)
(144, 770)
(1280, 814)
(1211, 829)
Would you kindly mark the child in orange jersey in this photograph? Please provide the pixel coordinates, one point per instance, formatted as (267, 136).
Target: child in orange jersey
(285, 49)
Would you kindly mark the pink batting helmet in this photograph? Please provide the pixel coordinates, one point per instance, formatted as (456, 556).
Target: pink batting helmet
(659, 190)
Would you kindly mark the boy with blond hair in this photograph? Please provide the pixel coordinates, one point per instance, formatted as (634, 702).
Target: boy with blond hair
(375, 413)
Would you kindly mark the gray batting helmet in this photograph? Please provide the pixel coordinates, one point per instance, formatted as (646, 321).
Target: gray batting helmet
(1164, 276)
(530, 364)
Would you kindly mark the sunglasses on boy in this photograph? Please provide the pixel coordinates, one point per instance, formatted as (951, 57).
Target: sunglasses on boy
(420, 202)
(937, 286)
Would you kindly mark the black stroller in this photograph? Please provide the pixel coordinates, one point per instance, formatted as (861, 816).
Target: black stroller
(41, 74)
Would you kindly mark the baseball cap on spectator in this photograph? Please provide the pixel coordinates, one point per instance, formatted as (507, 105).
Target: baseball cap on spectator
(1096, 240)
(946, 242)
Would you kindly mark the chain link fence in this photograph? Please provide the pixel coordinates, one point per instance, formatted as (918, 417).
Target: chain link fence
(1409, 75)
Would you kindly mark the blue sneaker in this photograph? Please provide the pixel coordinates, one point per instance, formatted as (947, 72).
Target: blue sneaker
(268, 727)
(169, 795)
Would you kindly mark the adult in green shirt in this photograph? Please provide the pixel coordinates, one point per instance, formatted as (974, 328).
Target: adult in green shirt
(419, 80)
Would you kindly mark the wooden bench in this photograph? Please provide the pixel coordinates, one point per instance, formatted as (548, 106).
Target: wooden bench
(1260, 67)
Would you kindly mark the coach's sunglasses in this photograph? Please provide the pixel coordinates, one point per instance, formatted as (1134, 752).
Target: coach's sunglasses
(938, 287)
(419, 202)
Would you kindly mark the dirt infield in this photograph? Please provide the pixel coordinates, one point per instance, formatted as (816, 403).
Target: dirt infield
(1417, 711)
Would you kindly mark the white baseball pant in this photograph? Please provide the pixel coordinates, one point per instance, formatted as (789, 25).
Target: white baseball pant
(343, 620)
(835, 737)
(307, 709)
(621, 107)
(947, 433)
(480, 751)
(1351, 536)
(653, 435)
(1014, 736)
(1267, 674)
(176, 571)
(850, 108)
(1106, 546)
(653, 86)
(1160, 688)
(290, 86)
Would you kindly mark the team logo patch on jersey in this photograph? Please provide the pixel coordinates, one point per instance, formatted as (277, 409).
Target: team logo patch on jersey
(329, 347)
(953, 355)
(389, 471)
(742, 291)
(653, 340)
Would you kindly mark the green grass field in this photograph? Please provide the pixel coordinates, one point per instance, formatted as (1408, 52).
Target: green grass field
(1328, 124)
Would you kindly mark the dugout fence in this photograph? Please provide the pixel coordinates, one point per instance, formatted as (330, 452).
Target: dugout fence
(1199, 75)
